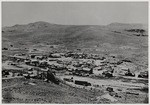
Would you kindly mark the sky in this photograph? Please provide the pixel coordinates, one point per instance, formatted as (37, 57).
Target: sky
(74, 13)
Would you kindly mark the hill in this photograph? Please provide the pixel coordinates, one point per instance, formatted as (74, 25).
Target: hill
(18, 91)
(71, 34)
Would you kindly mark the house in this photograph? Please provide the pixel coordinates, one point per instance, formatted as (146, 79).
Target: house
(34, 63)
(82, 71)
(86, 70)
(107, 74)
(61, 67)
(18, 58)
(143, 74)
(98, 63)
(129, 74)
(32, 55)
(71, 68)
(43, 64)
(55, 55)
(120, 70)
(98, 68)
(41, 57)
(68, 79)
(97, 72)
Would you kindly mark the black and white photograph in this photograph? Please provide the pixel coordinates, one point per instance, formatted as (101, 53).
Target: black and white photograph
(63, 52)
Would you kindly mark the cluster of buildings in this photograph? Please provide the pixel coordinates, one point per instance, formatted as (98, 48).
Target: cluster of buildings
(79, 64)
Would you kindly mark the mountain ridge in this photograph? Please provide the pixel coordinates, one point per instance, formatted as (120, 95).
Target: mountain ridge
(47, 23)
(71, 34)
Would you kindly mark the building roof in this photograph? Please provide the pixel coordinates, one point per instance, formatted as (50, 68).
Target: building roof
(86, 69)
(19, 57)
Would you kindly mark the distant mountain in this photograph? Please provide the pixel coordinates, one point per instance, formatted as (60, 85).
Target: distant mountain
(42, 26)
(37, 26)
(127, 26)
(71, 35)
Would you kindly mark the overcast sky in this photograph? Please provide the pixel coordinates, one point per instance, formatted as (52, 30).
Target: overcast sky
(77, 13)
